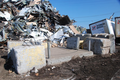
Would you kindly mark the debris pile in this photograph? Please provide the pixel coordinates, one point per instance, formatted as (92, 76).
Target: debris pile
(34, 21)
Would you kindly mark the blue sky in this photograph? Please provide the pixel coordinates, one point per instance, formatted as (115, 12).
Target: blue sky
(87, 11)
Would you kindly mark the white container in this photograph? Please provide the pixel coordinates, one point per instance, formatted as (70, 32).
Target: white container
(117, 27)
(102, 26)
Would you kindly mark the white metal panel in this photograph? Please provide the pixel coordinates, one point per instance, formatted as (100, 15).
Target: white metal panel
(98, 27)
(110, 27)
(117, 26)
(103, 26)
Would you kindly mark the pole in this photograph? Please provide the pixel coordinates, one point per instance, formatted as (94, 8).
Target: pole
(89, 45)
(48, 48)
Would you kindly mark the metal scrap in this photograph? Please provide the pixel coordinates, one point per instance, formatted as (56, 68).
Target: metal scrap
(34, 20)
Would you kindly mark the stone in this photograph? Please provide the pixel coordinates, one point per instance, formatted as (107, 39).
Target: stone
(26, 58)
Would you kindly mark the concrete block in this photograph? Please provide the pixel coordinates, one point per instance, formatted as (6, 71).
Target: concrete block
(83, 36)
(97, 45)
(112, 39)
(100, 41)
(112, 47)
(12, 44)
(44, 44)
(73, 42)
(100, 50)
(26, 58)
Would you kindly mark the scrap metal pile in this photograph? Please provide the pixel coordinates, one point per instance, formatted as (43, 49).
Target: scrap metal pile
(33, 20)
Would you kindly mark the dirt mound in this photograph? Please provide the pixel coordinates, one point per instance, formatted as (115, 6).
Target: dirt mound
(94, 68)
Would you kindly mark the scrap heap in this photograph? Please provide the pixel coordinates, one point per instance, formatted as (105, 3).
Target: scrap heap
(33, 20)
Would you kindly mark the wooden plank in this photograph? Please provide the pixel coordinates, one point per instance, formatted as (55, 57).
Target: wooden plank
(29, 23)
(73, 29)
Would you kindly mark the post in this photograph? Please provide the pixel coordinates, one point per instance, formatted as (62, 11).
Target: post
(48, 48)
(89, 45)
(3, 32)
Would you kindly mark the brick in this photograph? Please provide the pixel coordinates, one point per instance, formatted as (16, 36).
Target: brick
(26, 58)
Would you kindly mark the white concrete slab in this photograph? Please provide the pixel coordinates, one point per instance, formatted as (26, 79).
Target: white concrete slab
(60, 55)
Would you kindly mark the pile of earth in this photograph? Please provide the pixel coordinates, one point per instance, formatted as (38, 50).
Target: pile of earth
(99, 67)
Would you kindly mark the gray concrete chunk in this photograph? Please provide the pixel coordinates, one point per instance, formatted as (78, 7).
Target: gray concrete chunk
(108, 36)
(26, 58)
(98, 45)
(73, 42)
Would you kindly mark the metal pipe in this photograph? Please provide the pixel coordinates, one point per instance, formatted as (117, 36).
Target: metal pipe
(3, 34)
(48, 48)
(89, 45)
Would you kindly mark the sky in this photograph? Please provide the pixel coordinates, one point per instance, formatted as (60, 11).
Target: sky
(85, 12)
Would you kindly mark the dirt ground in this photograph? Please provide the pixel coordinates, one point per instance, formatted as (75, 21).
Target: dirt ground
(95, 68)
